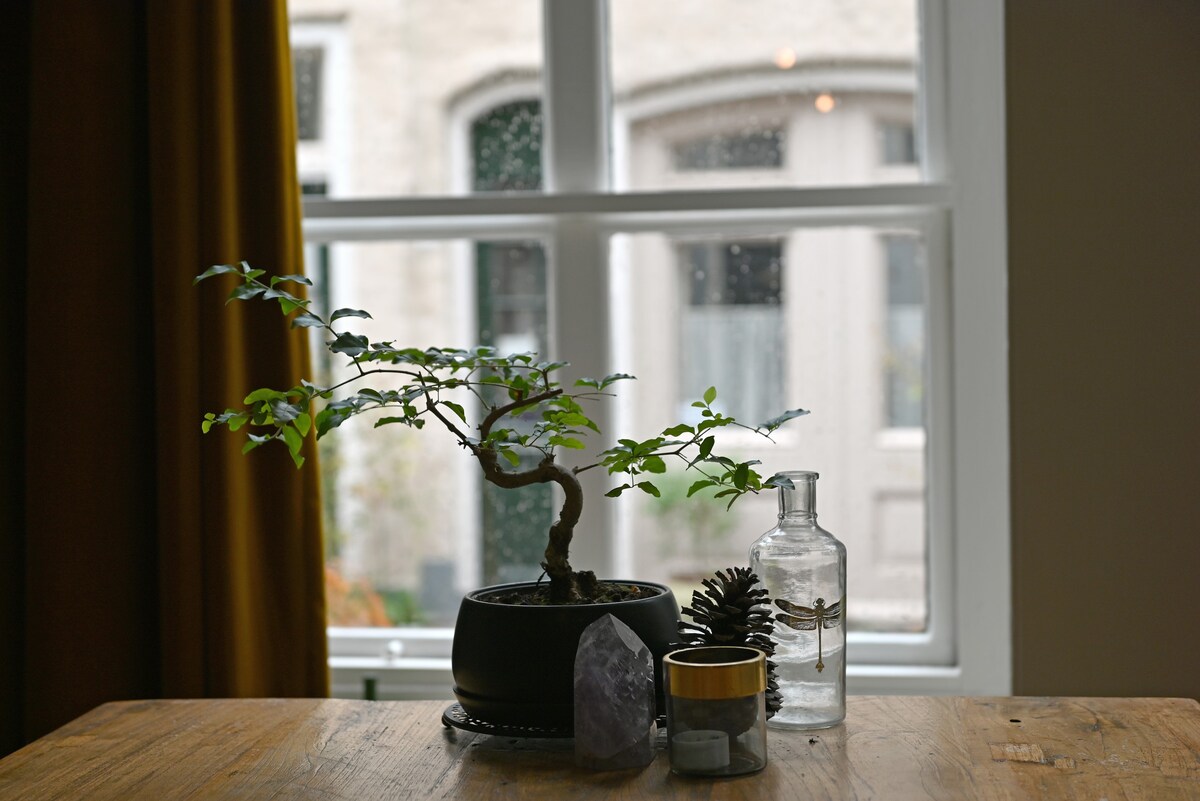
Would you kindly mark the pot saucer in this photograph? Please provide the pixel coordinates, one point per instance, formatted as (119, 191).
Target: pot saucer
(456, 717)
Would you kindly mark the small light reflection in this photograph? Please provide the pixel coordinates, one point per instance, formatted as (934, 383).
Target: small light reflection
(824, 102)
(785, 58)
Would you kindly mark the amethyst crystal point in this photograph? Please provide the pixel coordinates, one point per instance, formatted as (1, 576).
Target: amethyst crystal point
(614, 698)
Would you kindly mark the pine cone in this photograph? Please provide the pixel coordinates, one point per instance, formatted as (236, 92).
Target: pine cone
(732, 611)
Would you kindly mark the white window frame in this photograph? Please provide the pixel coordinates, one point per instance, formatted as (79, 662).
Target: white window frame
(959, 208)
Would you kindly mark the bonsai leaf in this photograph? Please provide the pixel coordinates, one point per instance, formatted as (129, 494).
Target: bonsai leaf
(699, 485)
(307, 320)
(216, 269)
(297, 279)
(567, 442)
(265, 394)
(776, 422)
(271, 293)
(245, 292)
(615, 491)
(294, 442)
(330, 418)
(254, 441)
(614, 377)
(675, 431)
(282, 411)
(714, 421)
(741, 474)
(303, 423)
(289, 304)
(512, 456)
(710, 395)
(456, 408)
(350, 344)
(340, 313)
(517, 387)
(649, 489)
(654, 464)
(779, 480)
(732, 494)
(565, 419)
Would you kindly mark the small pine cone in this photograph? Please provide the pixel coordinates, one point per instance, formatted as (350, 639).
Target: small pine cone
(733, 610)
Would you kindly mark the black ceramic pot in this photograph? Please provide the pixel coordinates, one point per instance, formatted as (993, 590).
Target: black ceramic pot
(515, 665)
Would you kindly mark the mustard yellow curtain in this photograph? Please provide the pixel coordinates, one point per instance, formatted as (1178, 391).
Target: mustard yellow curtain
(143, 141)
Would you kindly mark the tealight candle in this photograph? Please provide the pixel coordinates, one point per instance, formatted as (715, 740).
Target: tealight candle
(700, 750)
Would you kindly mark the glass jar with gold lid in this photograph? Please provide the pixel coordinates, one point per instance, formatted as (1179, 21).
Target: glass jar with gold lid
(716, 710)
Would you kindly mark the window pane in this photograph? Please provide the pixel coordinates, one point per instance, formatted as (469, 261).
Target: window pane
(810, 318)
(733, 291)
(308, 67)
(905, 341)
(506, 148)
(413, 81)
(512, 317)
(763, 93)
(409, 525)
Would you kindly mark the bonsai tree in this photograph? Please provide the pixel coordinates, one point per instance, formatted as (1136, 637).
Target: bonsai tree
(507, 387)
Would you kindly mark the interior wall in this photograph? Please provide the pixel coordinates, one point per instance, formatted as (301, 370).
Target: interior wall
(1104, 248)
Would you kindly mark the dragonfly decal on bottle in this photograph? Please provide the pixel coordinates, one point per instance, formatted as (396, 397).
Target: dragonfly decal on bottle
(803, 618)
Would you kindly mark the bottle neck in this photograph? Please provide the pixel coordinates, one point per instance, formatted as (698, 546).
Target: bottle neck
(800, 502)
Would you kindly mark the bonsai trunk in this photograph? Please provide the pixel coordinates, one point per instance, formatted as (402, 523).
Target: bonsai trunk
(566, 585)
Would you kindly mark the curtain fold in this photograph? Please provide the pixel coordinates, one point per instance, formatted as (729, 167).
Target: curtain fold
(146, 141)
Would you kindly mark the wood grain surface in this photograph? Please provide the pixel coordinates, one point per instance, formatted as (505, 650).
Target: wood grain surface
(888, 748)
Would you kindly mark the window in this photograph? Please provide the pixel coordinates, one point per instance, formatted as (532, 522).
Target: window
(720, 199)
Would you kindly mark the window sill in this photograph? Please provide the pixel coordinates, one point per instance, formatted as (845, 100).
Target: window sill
(900, 439)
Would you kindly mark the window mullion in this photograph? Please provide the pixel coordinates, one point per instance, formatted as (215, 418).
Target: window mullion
(575, 106)
(978, 257)
(931, 109)
(575, 160)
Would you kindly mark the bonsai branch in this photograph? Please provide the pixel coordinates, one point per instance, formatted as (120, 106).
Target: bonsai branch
(498, 412)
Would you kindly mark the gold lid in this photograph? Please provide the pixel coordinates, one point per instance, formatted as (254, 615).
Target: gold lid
(716, 671)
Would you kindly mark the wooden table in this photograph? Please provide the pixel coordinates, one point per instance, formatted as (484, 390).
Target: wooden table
(888, 748)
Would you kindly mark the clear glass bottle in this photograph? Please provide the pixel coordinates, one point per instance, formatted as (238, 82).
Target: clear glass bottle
(803, 567)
